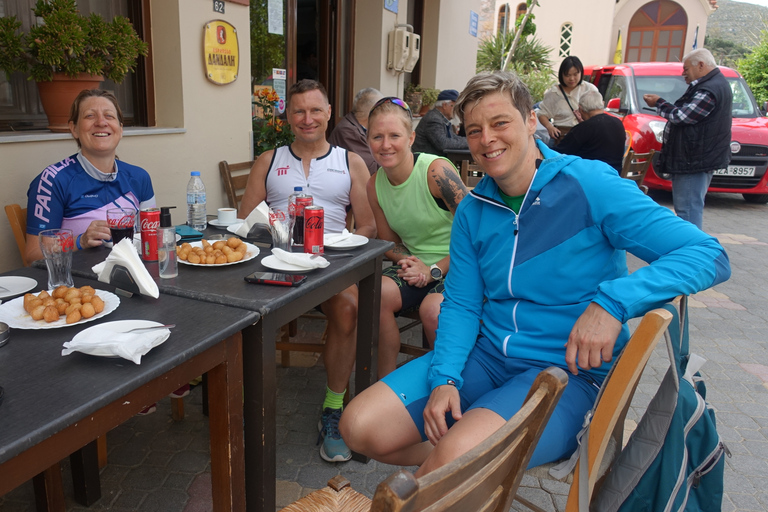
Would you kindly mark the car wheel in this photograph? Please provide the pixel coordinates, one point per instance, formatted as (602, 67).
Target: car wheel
(756, 198)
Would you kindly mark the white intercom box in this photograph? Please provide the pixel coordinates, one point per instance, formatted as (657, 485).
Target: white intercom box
(413, 53)
(403, 50)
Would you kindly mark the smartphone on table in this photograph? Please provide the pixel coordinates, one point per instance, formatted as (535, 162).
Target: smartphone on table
(275, 278)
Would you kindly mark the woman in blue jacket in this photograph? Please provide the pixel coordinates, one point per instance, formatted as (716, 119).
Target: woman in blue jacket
(538, 278)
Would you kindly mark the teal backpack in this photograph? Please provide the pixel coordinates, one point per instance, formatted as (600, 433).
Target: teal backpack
(674, 459)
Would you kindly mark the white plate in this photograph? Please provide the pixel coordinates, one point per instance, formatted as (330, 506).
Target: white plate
(276, 263)
(250, 253)
(14, 315)
(349, 243)
(122, 326)
(15, 285)
(215, 223)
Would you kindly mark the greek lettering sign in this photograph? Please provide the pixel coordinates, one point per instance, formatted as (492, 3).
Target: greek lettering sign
(221, 52)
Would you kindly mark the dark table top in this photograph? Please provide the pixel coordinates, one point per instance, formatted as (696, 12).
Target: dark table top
(226, 285)
(46, 392)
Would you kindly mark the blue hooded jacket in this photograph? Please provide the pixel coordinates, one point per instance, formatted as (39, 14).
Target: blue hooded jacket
(523, 280)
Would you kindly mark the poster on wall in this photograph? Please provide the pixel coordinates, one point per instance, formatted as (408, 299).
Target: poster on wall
(221, 52)
(278, 83)
(275, 17)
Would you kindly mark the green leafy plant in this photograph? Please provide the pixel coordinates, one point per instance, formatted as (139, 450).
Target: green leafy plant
(269, 131)
(429, 96)
(753, 69)
(530, 55)
(66, 42)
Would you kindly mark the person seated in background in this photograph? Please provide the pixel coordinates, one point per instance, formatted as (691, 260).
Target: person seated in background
(600, 136)
(558, 110)
(336, 178)
(435, 133)
(349, 133)
(77, 192)
(413, 198)
(538, 278)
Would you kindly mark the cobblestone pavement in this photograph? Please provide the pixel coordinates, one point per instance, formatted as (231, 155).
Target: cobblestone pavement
(156, 464)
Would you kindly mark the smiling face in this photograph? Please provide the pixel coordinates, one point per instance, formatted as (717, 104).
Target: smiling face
(308, 115)
(98, 128)
(501, 141)
(390, 139)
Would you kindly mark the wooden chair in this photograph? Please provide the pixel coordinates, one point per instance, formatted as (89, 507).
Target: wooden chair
(636, 166)
(483, 479)
(235, 177)
(17, 217)
(607, 426)
(470, 173)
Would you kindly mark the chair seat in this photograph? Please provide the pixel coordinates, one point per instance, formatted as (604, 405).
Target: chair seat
(337, 496)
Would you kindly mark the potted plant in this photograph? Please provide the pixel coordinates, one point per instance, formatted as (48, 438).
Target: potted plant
(413, 93)
(428, 98)
(70, 51)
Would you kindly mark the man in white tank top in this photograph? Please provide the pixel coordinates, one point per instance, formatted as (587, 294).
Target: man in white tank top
(337, 179)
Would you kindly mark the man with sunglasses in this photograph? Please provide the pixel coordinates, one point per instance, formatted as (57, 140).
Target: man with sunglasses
(336, 179)
(435, 133)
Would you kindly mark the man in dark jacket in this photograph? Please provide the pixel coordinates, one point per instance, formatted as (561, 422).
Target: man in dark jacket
(435, 133)
(697, 135)
(350, 132)
(599, 137)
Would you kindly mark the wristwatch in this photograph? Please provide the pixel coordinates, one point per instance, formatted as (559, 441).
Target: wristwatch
(435, 272)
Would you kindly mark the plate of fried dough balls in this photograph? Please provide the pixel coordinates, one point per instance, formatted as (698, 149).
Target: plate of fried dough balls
(63, 306)
(216, 253)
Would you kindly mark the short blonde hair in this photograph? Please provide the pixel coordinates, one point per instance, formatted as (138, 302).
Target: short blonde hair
(484, 84)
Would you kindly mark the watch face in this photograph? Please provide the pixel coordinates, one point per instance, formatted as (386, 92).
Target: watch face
(436, 273)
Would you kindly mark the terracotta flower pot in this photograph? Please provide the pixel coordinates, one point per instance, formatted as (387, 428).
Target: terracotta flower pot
(57, 97)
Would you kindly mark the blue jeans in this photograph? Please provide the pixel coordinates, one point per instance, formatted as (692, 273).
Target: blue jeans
(688, 191)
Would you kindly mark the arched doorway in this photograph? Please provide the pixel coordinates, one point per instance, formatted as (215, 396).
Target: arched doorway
(657, 33)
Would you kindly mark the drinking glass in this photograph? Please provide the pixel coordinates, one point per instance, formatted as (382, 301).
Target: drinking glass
(280, 227)
(121, 223)
(57, 246)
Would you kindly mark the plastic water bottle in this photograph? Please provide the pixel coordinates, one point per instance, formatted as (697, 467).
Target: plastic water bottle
(196, 215)
(292, 204)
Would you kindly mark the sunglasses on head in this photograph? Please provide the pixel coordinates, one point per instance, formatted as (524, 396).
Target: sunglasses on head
(395, 101)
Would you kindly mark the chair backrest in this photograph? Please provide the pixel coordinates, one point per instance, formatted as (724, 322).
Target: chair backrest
(17, 216)
(470, 173)
(618, 389)
(636, 166)
(486, 477)
(235, 177)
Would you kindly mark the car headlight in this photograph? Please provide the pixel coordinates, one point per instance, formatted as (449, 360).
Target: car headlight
(657, 127)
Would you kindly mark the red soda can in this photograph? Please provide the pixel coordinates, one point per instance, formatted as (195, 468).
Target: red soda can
(313, 229)
(149, 219)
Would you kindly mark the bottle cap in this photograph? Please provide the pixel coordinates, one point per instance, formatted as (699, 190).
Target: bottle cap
(297, 189)
(165, 216)
(194, 173)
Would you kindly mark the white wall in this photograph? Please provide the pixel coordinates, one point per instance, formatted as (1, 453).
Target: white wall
(215, 120)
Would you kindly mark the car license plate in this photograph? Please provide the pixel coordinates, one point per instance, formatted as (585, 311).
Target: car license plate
(736, 170)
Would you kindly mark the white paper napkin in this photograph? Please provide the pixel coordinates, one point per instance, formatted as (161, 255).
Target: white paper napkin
(259, 215)
(125, 254)
(301, 259)
(102, 341)
(334, 238)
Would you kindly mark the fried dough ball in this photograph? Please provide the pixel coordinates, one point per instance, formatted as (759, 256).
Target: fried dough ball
(87, 310)
(34, 303)
(61, 306)
(210, 259)
(37, 312)
(187, 246)
(73, 307)
(60, 292)
(226, 249)
(76, 300)
(219, 245)
(98, 304)
(183, 254)
(88, 290)
(43, 295)
(234, 256)
(205, 244)
(221, 259)
(86, 298)
(74, 316)
(72, 294)
(242, 249)
(193, 258)
(27, 298)
(49, 301)
(208, 249)
(233, 242)
(50, 314)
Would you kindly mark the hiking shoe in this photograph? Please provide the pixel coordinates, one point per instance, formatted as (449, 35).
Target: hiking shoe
(333, 448)
(181, 392)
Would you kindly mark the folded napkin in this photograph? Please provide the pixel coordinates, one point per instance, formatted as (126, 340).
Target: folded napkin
(334, 238)
(301, 259)
(125, 254)
(259, 215)
(102, 341)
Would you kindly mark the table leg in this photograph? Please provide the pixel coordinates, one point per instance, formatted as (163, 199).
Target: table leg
(85, 474)
(225, 382)
(260, 409)
(49, 490)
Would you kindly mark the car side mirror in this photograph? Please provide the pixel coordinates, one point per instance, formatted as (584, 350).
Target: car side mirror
(614, 104)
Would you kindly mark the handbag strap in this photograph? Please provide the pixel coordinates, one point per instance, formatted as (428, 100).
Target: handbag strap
(565, 96)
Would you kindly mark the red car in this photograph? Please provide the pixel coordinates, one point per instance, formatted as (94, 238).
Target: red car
(623, 86)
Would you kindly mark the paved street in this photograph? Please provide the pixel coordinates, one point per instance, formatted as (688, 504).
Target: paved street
(158, 465)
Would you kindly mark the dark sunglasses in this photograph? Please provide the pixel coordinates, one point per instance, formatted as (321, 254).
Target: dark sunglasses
(395, 101)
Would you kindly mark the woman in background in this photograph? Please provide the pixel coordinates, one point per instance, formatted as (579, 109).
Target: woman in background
(561, 101)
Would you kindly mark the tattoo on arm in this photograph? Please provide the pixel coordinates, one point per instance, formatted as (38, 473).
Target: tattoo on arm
(400, 251)
(451, 187)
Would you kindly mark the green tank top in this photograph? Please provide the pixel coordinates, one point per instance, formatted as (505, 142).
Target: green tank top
(413, 214)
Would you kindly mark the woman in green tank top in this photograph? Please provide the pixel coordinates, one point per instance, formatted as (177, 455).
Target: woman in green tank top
(413, 198)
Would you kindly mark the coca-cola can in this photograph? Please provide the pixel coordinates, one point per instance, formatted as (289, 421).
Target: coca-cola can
(149, 219)
(313, 229)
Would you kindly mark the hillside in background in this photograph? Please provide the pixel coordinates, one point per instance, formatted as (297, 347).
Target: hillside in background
(738, 22)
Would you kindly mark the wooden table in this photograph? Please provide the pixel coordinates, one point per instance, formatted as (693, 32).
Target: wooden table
(55, 405)
(277, 306)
